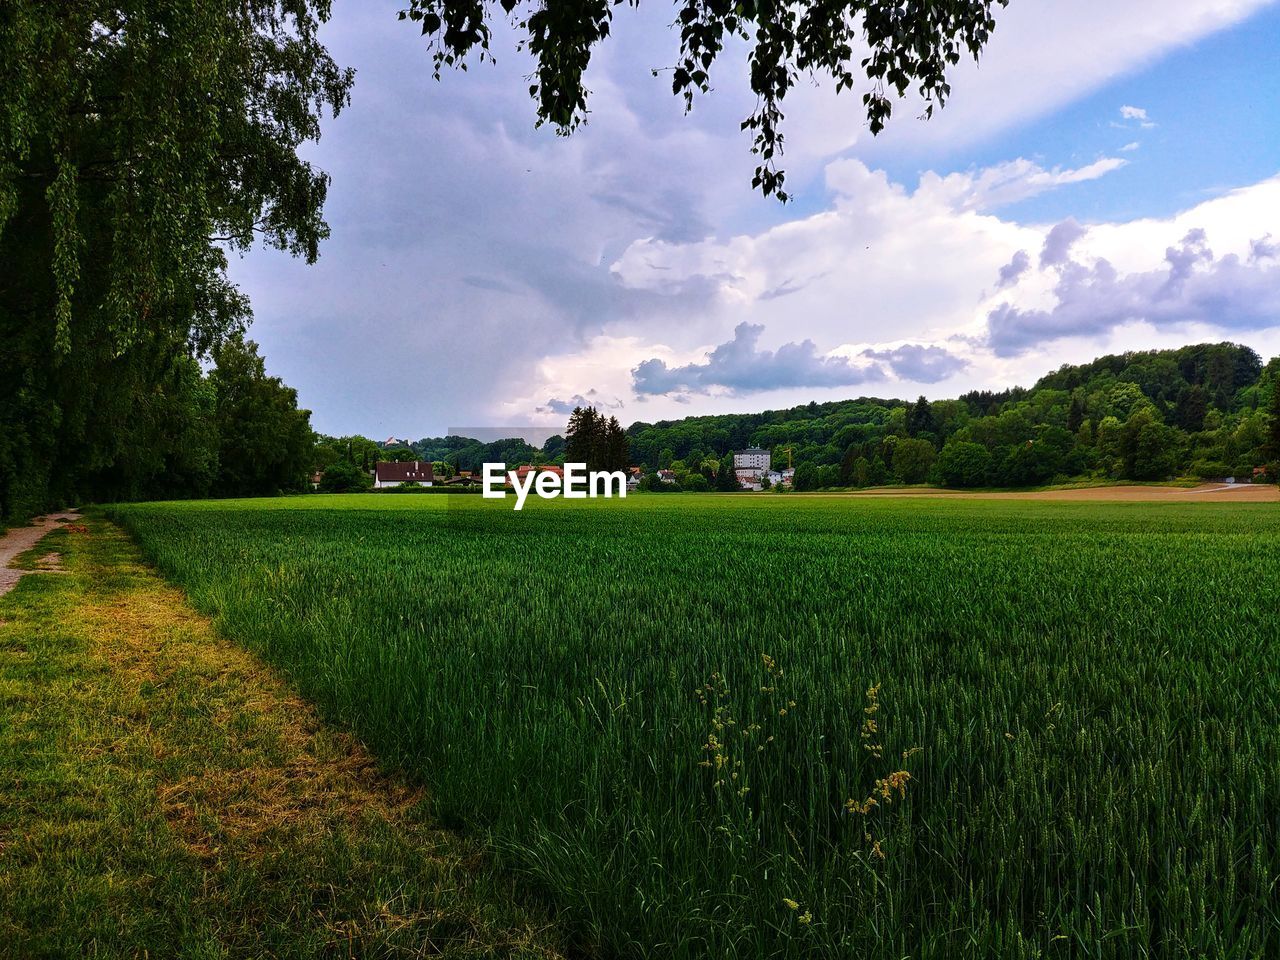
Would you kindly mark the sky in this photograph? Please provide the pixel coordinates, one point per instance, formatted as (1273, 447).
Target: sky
(1107, 178)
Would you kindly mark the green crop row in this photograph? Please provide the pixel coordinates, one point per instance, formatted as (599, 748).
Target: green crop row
(802, 727)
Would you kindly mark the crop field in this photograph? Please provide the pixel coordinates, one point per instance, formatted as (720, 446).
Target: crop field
(783, 726)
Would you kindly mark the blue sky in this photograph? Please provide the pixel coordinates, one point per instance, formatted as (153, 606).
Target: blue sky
(484, 272)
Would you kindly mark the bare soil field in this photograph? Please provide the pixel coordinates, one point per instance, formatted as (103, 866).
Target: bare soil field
(1205, 492)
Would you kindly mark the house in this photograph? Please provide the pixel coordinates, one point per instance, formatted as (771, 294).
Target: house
(461, 480)
(316, 478)
(388, 474)
(523, 472)
(755, 459)
(667, 476)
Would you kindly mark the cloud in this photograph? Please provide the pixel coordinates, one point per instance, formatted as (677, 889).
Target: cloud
(739, 366)
(1134, 117)
(1009, 182)
(1192, 287)
(1014, 269)
(1264, 248)
(1057, 245)
(639, 239)
(920, 363)
(592, 399)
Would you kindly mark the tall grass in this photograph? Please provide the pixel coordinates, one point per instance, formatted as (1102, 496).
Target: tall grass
(768, 727)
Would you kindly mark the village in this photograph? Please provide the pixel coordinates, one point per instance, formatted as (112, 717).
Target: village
(753, 470)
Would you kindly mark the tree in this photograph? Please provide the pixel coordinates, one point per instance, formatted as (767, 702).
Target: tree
(846, 466)
(861, 474)
(584, 437)
(912, 459)
(963, 464)
(905, 46)
(135, 141)
(920, 418)
(1273, 445)
(264, 440)
(695, 483)
(828, 476)
(1076, 412)
(1156, 452)
(617, 447)
(344, 476)
(1191, 408)
(726, 476)
(806, 477)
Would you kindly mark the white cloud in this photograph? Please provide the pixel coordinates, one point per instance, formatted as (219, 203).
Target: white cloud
(1133, 113)
(1009, 182)
(509, 268)
(931, 292)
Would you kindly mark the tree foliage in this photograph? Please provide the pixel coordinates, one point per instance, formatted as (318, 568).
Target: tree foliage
(264, 440)
(884, 48)
(1142, 416)
(599, 443)
(138, 142)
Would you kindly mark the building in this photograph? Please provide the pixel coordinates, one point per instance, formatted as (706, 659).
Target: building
(523, 472)
(387, 474)
(754, 459)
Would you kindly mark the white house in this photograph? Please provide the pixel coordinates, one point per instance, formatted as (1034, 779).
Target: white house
(388, 474)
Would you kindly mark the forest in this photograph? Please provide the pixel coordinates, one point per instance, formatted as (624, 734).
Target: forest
(1208, 410)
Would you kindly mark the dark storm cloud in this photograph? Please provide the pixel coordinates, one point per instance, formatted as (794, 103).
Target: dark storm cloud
(1193, 287)
(918, 363)
(466, 244)
(741, 367)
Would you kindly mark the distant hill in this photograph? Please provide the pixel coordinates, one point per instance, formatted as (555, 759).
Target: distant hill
(1198, 410)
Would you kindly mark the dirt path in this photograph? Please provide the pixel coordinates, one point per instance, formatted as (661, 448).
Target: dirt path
(19, 540)
(164, 793)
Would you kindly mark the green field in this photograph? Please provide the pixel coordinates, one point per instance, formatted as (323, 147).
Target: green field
(657, 709)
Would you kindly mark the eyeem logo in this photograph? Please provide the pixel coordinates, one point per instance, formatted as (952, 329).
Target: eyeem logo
(577, 483)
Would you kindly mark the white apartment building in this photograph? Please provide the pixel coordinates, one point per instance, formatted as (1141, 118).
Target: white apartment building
(754, 459)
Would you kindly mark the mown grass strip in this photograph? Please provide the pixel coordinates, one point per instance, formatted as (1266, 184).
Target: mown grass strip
(162, 793)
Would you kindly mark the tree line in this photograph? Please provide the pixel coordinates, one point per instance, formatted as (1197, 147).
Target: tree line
(138, 144)
(1207, 410)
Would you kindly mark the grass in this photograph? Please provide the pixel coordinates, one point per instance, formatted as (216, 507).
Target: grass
(669, 715)
(164, 794)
